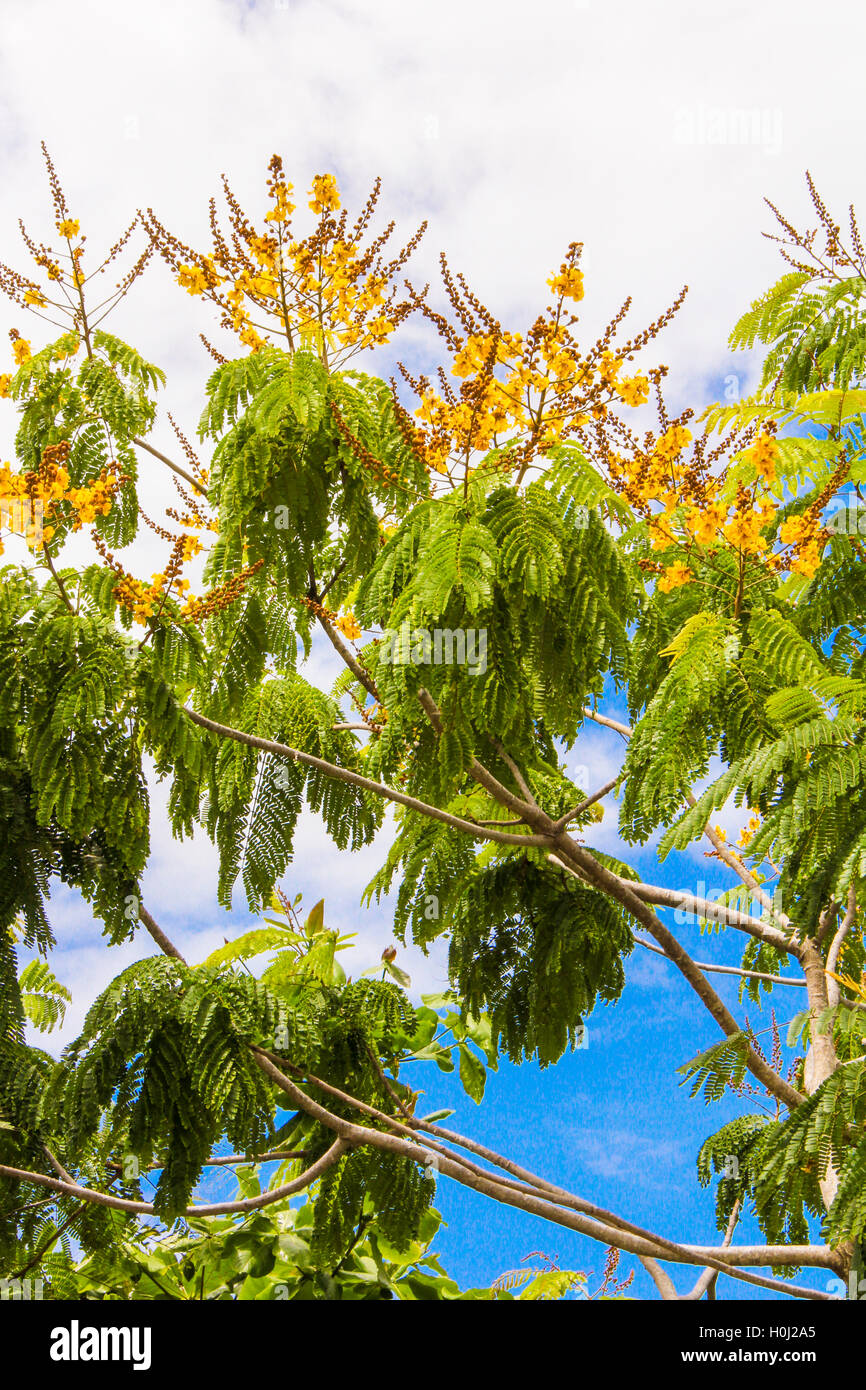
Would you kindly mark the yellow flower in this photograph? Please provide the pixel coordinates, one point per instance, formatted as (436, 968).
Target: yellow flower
(284, 206)
(806, 561)
(349, 626)
(250, 338)
(608, 367)
(264, 285)
(793, 530)
(675, 576)
(673, 441)
(660, 538)
(35, 297)
(69, 227)
(379, 329)
(192, 279)
(191, 546)
(568, 283)
(744, 531)
(5, 380)
(324, 195)
(634, 390)
(763, 455)
(21, 350)
(749, 831)
(704, 522)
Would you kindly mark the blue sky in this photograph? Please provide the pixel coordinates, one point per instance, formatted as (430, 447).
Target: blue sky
(651, 133)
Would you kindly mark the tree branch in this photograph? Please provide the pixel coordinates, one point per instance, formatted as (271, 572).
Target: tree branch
(342, 774)
(713, 912)
(553, 1208)
(585, 805)
(107, 1199)
(624, 729)
(727, 969)
(707, 1280)
(622, 891)
(833, 993)
(175, 467)
(159, 935)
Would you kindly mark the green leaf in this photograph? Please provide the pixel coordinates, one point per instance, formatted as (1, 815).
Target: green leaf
(473, 1074)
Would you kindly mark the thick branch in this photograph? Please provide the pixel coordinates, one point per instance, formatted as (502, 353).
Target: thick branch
(159, 936)
(660, 1277)
(713, 912)
(622, 891)
(707, 1279)
(555, 1209)
(343, 774)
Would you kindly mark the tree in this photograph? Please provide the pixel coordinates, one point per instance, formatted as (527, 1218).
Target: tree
(495, 565)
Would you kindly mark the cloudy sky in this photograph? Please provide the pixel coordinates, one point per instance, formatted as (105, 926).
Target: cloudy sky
(652, 133)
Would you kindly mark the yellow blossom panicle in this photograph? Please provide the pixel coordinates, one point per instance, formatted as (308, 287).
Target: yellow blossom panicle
(691, 504)
(331, 292)
(763, 454)
(34, 504)
(64, 268)
(518, 394)
(634, 390)
(568, 284)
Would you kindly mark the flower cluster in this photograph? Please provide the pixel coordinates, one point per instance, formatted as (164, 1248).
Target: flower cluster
(520, 394)
(349, 626)
(689, 506)
(35, 503)
(63, 270)
(807, 537)
(216, 600)
(146, 600)
(328, 291)
(141, 599)
(749, 830)
(346, 622)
